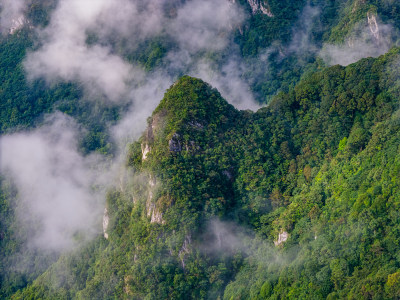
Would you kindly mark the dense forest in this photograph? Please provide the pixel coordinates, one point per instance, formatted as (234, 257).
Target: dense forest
(200, 149)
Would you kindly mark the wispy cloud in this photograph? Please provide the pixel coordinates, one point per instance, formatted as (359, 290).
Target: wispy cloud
(58, 189)
(10, 12)
(65, 55)
(369, 38)
(229, 82)
(197, 28)
(302, 31)
(59, 186)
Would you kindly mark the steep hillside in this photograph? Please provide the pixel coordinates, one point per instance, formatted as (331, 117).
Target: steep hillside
(296, 200)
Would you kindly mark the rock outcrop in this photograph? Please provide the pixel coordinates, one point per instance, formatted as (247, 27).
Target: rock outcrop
(373, 25)
(181, 124)
(17, 23)
(148, 138)
(155, 125)
(185, 249)
(145, 150)
(282, 237)
(260, 6)
(152, 211)
(357, 5)
(106, 221)
(174, 144)
(156, 216)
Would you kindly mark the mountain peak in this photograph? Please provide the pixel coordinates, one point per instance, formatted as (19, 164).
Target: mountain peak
(189, 111)
(191, 102)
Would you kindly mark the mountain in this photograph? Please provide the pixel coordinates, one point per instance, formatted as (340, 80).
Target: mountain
(315, 202)
(295, 200)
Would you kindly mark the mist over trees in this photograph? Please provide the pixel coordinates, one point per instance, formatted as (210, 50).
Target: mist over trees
(199, 149)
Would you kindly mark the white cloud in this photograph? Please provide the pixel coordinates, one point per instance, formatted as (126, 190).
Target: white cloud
(196, 26)
(56, 184)
(366, 40)
(228, 82)
(145, 98)
(66, 56)
(302, 31)
(205, 25)
(11, 11)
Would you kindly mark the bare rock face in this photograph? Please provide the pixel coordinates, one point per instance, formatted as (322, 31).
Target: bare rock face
(157, 216)
(266, 10)
(373, 25)
(127, 288)
(148, 136)
(152, 181)
(260, 5)
(185, 249)
(150, 206)
(17, 23)
(145, 150)
(350, 42)
(282, 237)
(357, 5)
(152, 211)
(196, 124)
(174, 143)
(106, 220)
(191, 146)
(149, 203)
(155, 125)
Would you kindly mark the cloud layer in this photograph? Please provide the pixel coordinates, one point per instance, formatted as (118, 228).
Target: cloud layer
(59, 189)
(65, 54)
(196, 27)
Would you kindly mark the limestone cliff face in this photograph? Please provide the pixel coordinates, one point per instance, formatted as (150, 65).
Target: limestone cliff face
(106, 221)
(260, 6)
(153, 210)
(179, 127)
(155, 125)
(282, 237)
(357, 4)
(373, 25)
(148, 138)
(145, 150)
(185, 249)
(17, 23)
(174, 143)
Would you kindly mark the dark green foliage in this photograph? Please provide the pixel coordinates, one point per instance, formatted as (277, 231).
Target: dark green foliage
(22, 102)
(262, 30)
(320, 163)
(19, 265)
(150, 53)
(39, 11)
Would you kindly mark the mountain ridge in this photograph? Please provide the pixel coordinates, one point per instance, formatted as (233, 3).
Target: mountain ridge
(298, 199)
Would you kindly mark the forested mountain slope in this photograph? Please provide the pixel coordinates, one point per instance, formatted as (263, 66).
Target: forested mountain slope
(212, 188)
(295, 200)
